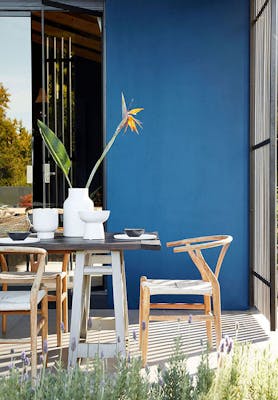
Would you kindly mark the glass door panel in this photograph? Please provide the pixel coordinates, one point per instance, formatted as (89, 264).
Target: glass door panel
(15, 113)
(67, 95)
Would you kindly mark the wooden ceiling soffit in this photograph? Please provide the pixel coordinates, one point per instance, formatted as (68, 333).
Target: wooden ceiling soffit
(77, 50)
(75, 6)
(79, 22)
(76, 38)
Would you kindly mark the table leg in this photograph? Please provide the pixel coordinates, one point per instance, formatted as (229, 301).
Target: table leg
(77, 309)
(119, 300)
(125, 298)
(86, 296)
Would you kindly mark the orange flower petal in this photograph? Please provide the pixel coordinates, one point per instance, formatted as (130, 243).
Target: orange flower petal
(127, 117)
(132, 125)
(135, 111)
(137, 122)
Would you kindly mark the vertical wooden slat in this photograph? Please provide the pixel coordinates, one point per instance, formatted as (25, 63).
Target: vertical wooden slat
(43, 104)
(58, 75)
(262, 229)
(263, 157)
(63, 107)
(70, 99)
(273, 168)
(55, 109)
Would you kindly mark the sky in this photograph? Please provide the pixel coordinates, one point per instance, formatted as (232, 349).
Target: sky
(15, 66)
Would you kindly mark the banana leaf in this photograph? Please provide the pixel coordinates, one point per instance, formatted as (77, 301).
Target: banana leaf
(56, 149)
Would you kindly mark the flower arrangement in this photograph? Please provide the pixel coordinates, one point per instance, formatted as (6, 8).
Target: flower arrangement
(58, 152)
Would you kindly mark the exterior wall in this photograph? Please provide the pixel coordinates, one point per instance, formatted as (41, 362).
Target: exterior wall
(187, 63)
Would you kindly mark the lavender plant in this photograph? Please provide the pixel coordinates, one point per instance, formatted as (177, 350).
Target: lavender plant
(242, 375)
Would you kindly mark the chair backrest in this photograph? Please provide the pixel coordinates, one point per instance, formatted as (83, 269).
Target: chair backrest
(41, 253)
(194, 247)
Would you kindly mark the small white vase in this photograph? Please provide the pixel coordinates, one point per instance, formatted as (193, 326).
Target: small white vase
(78, 200)
(45, 222)
(94, 228)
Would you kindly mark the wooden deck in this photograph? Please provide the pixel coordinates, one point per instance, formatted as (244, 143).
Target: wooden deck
(161, 341)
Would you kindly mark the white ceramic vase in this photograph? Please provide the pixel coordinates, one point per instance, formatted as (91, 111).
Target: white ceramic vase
(94, 228)
(45, 222)
(78, 200)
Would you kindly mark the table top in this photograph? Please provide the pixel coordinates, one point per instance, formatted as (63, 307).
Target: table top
(62, 243)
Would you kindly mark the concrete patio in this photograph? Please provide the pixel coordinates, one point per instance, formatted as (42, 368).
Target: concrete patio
(253, 328)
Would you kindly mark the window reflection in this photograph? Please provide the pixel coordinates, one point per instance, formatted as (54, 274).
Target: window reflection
(15, 111)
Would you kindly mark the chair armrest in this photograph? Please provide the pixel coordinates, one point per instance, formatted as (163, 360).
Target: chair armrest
(211, 241)
(176, 243)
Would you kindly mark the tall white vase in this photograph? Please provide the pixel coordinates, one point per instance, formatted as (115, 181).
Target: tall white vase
(78, 200)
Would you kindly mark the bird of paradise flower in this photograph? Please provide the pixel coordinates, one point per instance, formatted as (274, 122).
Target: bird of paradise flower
(59, 153)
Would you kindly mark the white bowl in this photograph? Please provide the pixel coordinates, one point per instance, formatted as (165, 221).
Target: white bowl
(45, 222)
(94, 223)
(94, 216)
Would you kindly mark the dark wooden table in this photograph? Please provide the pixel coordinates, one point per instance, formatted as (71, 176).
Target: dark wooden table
(79, 244)
(104, 257)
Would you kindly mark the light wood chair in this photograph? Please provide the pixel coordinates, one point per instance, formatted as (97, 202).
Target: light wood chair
(57, 286)
(55, 282)
(207, 286)
(26, 302)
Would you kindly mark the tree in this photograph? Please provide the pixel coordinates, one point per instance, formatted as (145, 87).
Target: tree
(15, 145)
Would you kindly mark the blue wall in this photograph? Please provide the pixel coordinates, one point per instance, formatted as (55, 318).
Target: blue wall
(186, 174)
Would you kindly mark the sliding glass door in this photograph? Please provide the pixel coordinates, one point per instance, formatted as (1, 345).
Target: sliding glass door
(67, 94)
(51, 70)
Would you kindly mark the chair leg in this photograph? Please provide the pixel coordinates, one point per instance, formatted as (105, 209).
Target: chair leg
(4, 316)
(4, 324)
(145, 323)
(58, 310)
(33, 337)
(44, 314)
(142, 279)
(65, 307)
(207, 304)
(217, 315)
(65, 292)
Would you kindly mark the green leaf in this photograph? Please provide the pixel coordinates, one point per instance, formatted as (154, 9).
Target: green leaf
(56, 149)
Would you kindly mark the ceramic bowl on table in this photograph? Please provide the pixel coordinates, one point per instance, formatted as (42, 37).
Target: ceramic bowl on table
(45, 222)
(94, 223)
(20, 235)
(134, 232)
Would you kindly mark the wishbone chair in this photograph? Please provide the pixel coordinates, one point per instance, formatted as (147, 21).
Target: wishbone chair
(208, 287)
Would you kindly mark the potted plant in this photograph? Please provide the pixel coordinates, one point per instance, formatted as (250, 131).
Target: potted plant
(78, 199)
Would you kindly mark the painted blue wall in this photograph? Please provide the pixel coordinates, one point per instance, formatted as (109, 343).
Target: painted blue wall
(187, 63)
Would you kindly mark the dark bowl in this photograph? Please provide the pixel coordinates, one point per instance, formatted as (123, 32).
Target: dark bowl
(134, 232)
(19, 235)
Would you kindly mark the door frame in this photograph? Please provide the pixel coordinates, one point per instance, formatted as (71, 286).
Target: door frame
(17, 8)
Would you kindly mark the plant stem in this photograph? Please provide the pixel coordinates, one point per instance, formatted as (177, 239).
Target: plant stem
(69, 182)
(105, 151)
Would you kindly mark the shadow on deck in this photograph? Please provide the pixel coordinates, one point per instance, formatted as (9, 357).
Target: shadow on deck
(161, 338)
